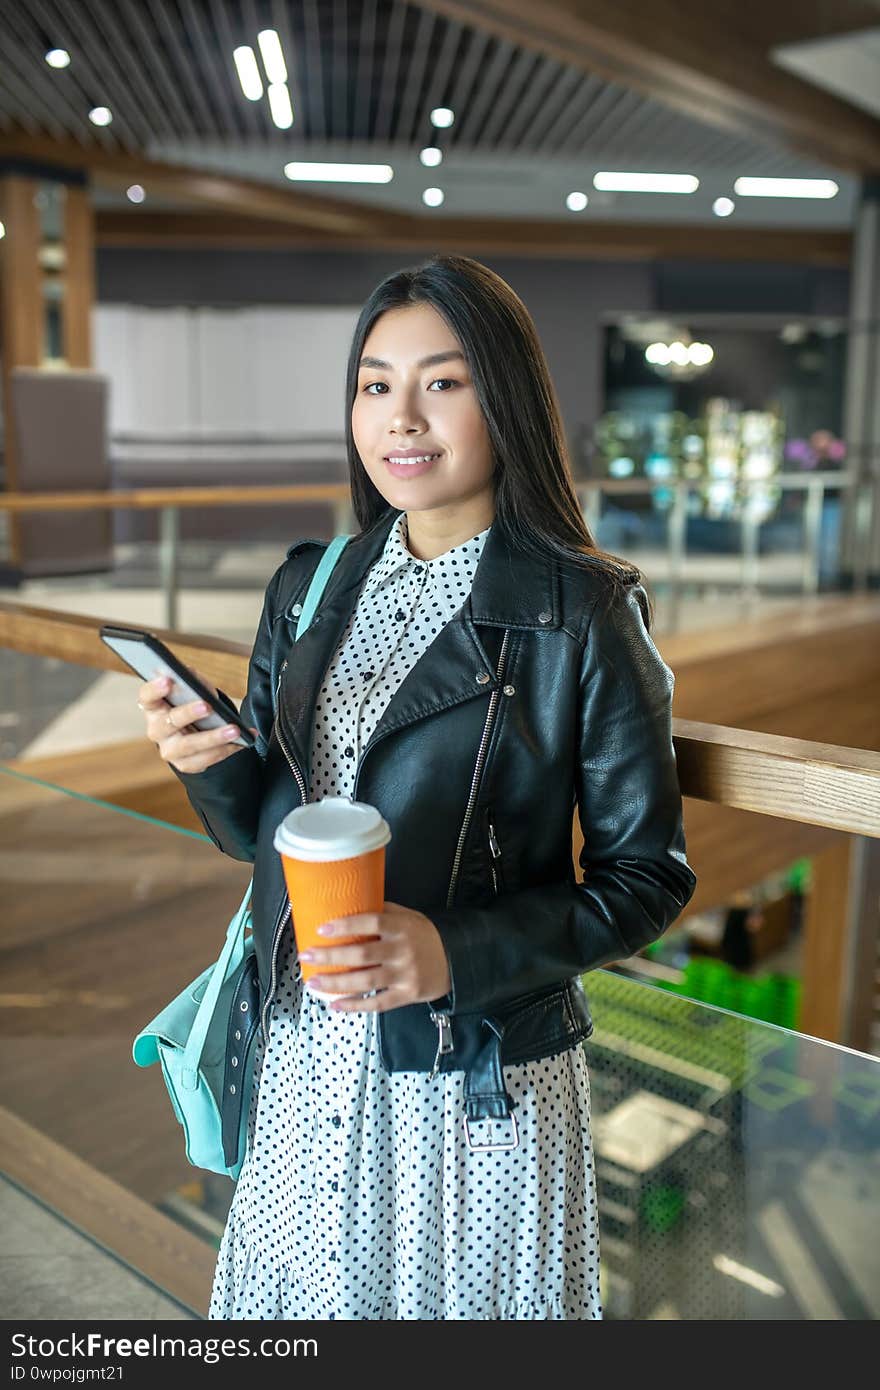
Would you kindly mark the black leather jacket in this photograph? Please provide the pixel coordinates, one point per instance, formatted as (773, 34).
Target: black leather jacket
(543, 692)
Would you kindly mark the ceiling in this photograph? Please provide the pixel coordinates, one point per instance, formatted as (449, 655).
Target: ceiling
(363, 77)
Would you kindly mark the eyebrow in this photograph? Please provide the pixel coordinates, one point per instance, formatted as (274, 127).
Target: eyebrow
(432, 361)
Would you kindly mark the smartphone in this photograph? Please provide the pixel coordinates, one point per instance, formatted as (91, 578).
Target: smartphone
(149, 657)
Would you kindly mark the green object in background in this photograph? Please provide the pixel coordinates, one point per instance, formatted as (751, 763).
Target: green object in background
(798, 877)
(771, 998)
(661, 1207)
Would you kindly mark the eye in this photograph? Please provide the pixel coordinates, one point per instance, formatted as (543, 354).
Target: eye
(443, 381)
(368, 390)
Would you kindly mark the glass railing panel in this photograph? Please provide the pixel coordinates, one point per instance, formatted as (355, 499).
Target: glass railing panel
(736, 1161)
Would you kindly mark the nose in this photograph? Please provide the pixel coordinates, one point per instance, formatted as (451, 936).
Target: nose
(406, 418)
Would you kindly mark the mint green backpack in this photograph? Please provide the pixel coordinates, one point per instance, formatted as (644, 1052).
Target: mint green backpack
(205, 1038)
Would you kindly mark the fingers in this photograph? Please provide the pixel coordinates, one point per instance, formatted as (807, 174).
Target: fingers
(170, 727)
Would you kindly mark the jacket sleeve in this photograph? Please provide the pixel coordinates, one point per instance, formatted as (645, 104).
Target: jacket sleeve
(227, 796)
(636, 876)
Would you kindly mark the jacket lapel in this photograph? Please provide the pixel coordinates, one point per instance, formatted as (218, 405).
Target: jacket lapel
(502, 595)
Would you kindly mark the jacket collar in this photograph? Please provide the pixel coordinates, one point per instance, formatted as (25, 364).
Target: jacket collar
(509, 590)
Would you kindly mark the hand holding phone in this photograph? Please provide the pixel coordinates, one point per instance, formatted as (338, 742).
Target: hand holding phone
(192, 724)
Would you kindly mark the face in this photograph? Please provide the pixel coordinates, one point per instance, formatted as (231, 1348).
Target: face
(416, 420)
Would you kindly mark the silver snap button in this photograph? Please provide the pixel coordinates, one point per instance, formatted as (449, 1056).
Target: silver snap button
(234, 1061)
(545, 617)
(510, 690)
(483, 677)
(243, 1006)
(232, 1090)
(238, 1035)
(296, 610)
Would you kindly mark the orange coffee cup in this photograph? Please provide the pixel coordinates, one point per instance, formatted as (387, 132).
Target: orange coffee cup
(333, 856)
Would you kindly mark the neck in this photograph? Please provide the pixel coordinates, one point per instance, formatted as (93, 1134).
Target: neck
(432, 533)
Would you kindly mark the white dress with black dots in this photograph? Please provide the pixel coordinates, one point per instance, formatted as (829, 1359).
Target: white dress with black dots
(358, 1197)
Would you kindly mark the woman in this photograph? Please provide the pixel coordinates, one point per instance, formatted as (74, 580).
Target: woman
(421, 1148)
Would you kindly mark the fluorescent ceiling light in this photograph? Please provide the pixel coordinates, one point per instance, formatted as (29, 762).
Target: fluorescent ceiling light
(433, 197)
(279, 105)
(340, 173)
(786, 188)
(135, 194)
(273, 58)
(2, 231)
(58, 58)
(723, 207)
(431, 156)
(576, 202)
(248, 73)
(611, 182)
(100, 115)
(442, 117)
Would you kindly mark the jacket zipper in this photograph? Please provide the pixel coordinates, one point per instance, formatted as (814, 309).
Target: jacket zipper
(443, 1021)
(495, 851)
(279, 926)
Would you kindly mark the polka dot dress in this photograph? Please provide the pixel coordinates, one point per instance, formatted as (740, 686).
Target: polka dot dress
(359, 1198)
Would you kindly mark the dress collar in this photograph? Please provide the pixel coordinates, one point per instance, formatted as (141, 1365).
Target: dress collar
(396, 555)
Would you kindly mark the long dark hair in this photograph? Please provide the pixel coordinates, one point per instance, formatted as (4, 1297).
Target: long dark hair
(535, 499)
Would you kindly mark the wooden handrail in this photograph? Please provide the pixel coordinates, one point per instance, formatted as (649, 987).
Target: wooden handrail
(142, 499)
(795, 779)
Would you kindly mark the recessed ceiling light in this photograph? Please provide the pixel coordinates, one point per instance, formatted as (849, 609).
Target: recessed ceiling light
(135, 194)
(273, 58)
(442, 117)
(279, 105)
(431, 156)
(339, 173)
(576, 202)
(433, 197)
(786, 188)
(723, 207)
(58, 58)
(100, 115)
(2, 230)
(248, 73)
(613, 182)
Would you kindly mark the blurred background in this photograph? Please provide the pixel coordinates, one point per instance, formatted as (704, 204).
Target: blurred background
(196, 196)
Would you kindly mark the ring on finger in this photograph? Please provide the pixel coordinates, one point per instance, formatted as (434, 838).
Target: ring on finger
(169, 720)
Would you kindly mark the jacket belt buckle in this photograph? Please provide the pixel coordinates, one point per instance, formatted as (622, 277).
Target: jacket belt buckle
(490, 1147)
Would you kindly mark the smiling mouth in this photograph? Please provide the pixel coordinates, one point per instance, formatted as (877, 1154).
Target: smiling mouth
(411, 459)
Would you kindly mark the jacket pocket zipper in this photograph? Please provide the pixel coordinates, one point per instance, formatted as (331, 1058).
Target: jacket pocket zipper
(495, 861)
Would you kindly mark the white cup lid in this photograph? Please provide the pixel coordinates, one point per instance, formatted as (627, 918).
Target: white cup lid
(334, 828)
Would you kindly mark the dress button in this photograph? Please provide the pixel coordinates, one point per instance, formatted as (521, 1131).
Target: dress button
(331, 1316)
(369, 675)
(336, 1121)
(334, 1186)
(545, 617)
(349, 751)
(332, 1255)
(400, 616)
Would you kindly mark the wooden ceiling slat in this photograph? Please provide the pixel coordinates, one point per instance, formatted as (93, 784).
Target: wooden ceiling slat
(339, 72)
(131, 66)
(465, 82)
(571, 82)
(208, 71)
(491, 83)
(580, 97)
(317, 122)
(72, 112)
(415, 72)
(593, 128)
(544, 79)
(102, 77)
(155, 71)
(390, 67)
(434, 93)
(186, 72)
(365, 69)
(512, 92)
(226, 40)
